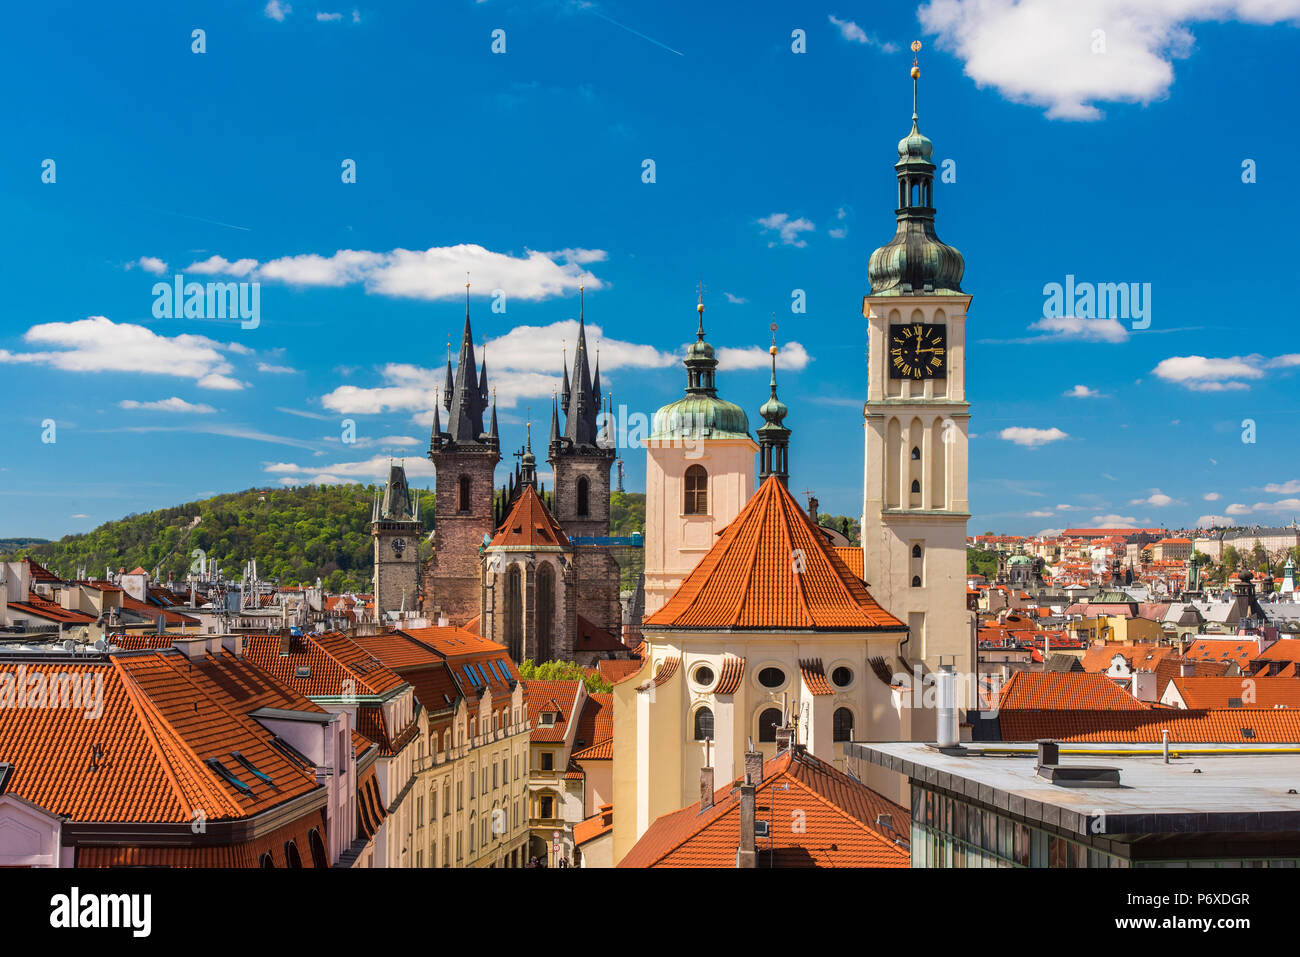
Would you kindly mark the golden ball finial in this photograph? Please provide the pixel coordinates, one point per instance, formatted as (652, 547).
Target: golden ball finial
(916, 73)
(700, 307)
(772, 351)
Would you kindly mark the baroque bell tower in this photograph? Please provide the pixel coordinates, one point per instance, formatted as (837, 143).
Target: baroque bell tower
(916, 420)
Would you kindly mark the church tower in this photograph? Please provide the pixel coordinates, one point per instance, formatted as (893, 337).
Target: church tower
(580, 458)
(699, 474)
(464, 460)
(395, 527)
(916, 421)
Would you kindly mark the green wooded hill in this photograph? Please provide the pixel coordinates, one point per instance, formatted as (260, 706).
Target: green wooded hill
(296, 535)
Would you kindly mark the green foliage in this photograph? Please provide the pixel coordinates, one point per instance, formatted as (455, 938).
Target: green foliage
(564, 671)
(981, 561)
(13, 544)
(626, 513)
(837, 522)
(1231, 558)
(296, 535)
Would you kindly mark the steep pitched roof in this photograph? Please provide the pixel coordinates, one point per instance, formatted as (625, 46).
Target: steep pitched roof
(554, 696)
(1256, 692)
(596, 724)
(771, 569)
(839, 818)
(530, 525)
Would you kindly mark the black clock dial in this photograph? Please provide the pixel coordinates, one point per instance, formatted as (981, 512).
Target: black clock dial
(918, 350)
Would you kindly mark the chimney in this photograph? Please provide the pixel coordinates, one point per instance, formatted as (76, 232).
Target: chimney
(754, 766)
(233, 644)
(286, 643)
(747, 853)
(1187, 669)
(1049, 752)
(783, 736)
(706, 789)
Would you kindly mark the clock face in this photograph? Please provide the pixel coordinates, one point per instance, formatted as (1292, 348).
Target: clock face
(918, 350)
(399, 544)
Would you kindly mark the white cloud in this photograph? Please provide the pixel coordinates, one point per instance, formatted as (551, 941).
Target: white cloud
(1209, 375)
(1211, 496)
(344, 473)
(735, 300)
(1238, 509)
(1077, 328)
(855, 34)
(788, 229)
(792, 355)
(276, 370)
(1049, 532)
(328, 17)
(1289, 487)
(837, 233)
(79, 515)
(174, 404)
(1022, 435)
(1157, 498)
(430, 274)
(1041, 513)
(1041, 52)
(278, 11)
(1114, 521)
(1212, 521)
(150, 264)
(1082, 392)
(98, 344)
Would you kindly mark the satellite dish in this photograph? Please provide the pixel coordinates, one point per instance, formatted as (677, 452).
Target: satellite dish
(70, 646)
(101, 645)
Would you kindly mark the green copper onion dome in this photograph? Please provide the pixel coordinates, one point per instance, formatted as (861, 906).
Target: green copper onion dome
(915, 262)
(773, 436)
(700, 413)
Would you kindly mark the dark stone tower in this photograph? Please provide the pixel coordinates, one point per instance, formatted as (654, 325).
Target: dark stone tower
(395, 527)
(464, 459)
(580, 457)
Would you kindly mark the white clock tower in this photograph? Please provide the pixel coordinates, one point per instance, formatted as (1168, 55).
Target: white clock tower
(915, 504)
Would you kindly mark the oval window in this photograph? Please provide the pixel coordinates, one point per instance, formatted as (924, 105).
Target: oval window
(704, 675)
(771, 677)
(843, 677)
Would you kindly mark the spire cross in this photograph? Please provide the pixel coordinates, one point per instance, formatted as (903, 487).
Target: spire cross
(916, 74)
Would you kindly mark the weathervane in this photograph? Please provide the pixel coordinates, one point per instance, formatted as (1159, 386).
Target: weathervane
(916, 73)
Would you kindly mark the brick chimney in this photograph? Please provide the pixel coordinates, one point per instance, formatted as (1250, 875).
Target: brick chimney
(706, 789)
(747, 852)
(754, 766)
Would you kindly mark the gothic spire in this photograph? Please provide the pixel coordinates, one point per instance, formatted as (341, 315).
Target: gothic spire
(469, 399)
(581, 410)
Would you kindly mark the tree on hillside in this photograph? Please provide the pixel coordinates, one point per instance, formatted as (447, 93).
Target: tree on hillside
(564, 671)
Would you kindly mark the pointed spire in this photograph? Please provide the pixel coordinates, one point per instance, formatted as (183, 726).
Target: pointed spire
(482, 379)
(469, 399)
(555, 423)
(595, 379)
(582, 408)
(773, 436)
(436, 432)
(447, 380)
(492, 432)
(564, 361)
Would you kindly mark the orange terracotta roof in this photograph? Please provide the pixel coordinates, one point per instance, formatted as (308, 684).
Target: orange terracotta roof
(596, 723)
(615, 670)
(331, 661)
(1065, 691)
(602, 822)
(1216, 726)
(1257, 692)
(851, 555)
(1285, 649)
(771, 569)
(1239, 650)
(733, 671)
(838, 823)
(667, 668)
(48, 610)
(602, 751)
(144, 759)
(1142, 657)
(530, 525)
(814, 676)
(553, 696)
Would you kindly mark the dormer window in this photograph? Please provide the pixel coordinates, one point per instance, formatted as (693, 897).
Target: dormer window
(547, 719)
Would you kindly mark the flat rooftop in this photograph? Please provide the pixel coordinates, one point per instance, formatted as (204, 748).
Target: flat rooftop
(1204, 787)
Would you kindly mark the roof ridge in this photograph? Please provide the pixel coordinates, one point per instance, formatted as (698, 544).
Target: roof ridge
(149, 713)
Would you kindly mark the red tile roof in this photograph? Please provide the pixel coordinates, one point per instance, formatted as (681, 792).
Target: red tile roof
(530, 525)
(1065, 691)
(602, 822)
(851, 555)
(615, 670)
(553, 696)
(733, 671)
(331, 659)
(1217, 726)
(596, 723)
(1239, 650)
(835, 825)
(771, 568)
(1257, 692)
(814, 676)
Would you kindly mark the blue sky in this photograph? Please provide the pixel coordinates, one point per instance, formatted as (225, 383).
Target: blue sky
(773, 173)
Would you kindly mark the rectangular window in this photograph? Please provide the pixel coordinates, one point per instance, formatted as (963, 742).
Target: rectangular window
(548, 761)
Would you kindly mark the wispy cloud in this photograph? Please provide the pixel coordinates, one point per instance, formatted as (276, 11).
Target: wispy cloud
(1082, 392)
(855, 34)
(430, 274)
(174, 404)
(787, 229)
(277, 11)
(1030, 437)
(1234, 373)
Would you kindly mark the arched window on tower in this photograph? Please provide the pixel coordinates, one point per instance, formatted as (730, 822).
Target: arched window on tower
(545, 620)
(697, 491)
(704, 724)
(768, 722)
(916, 581)
(583, 496)
(916, 454)
(916, 486)
(842, 729)
(462, 504)
(514, 609)
(916, 551)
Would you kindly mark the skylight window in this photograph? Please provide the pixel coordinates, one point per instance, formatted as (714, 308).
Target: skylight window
(229, 776)
(252, 768)
(292, 753)
(302, 671)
